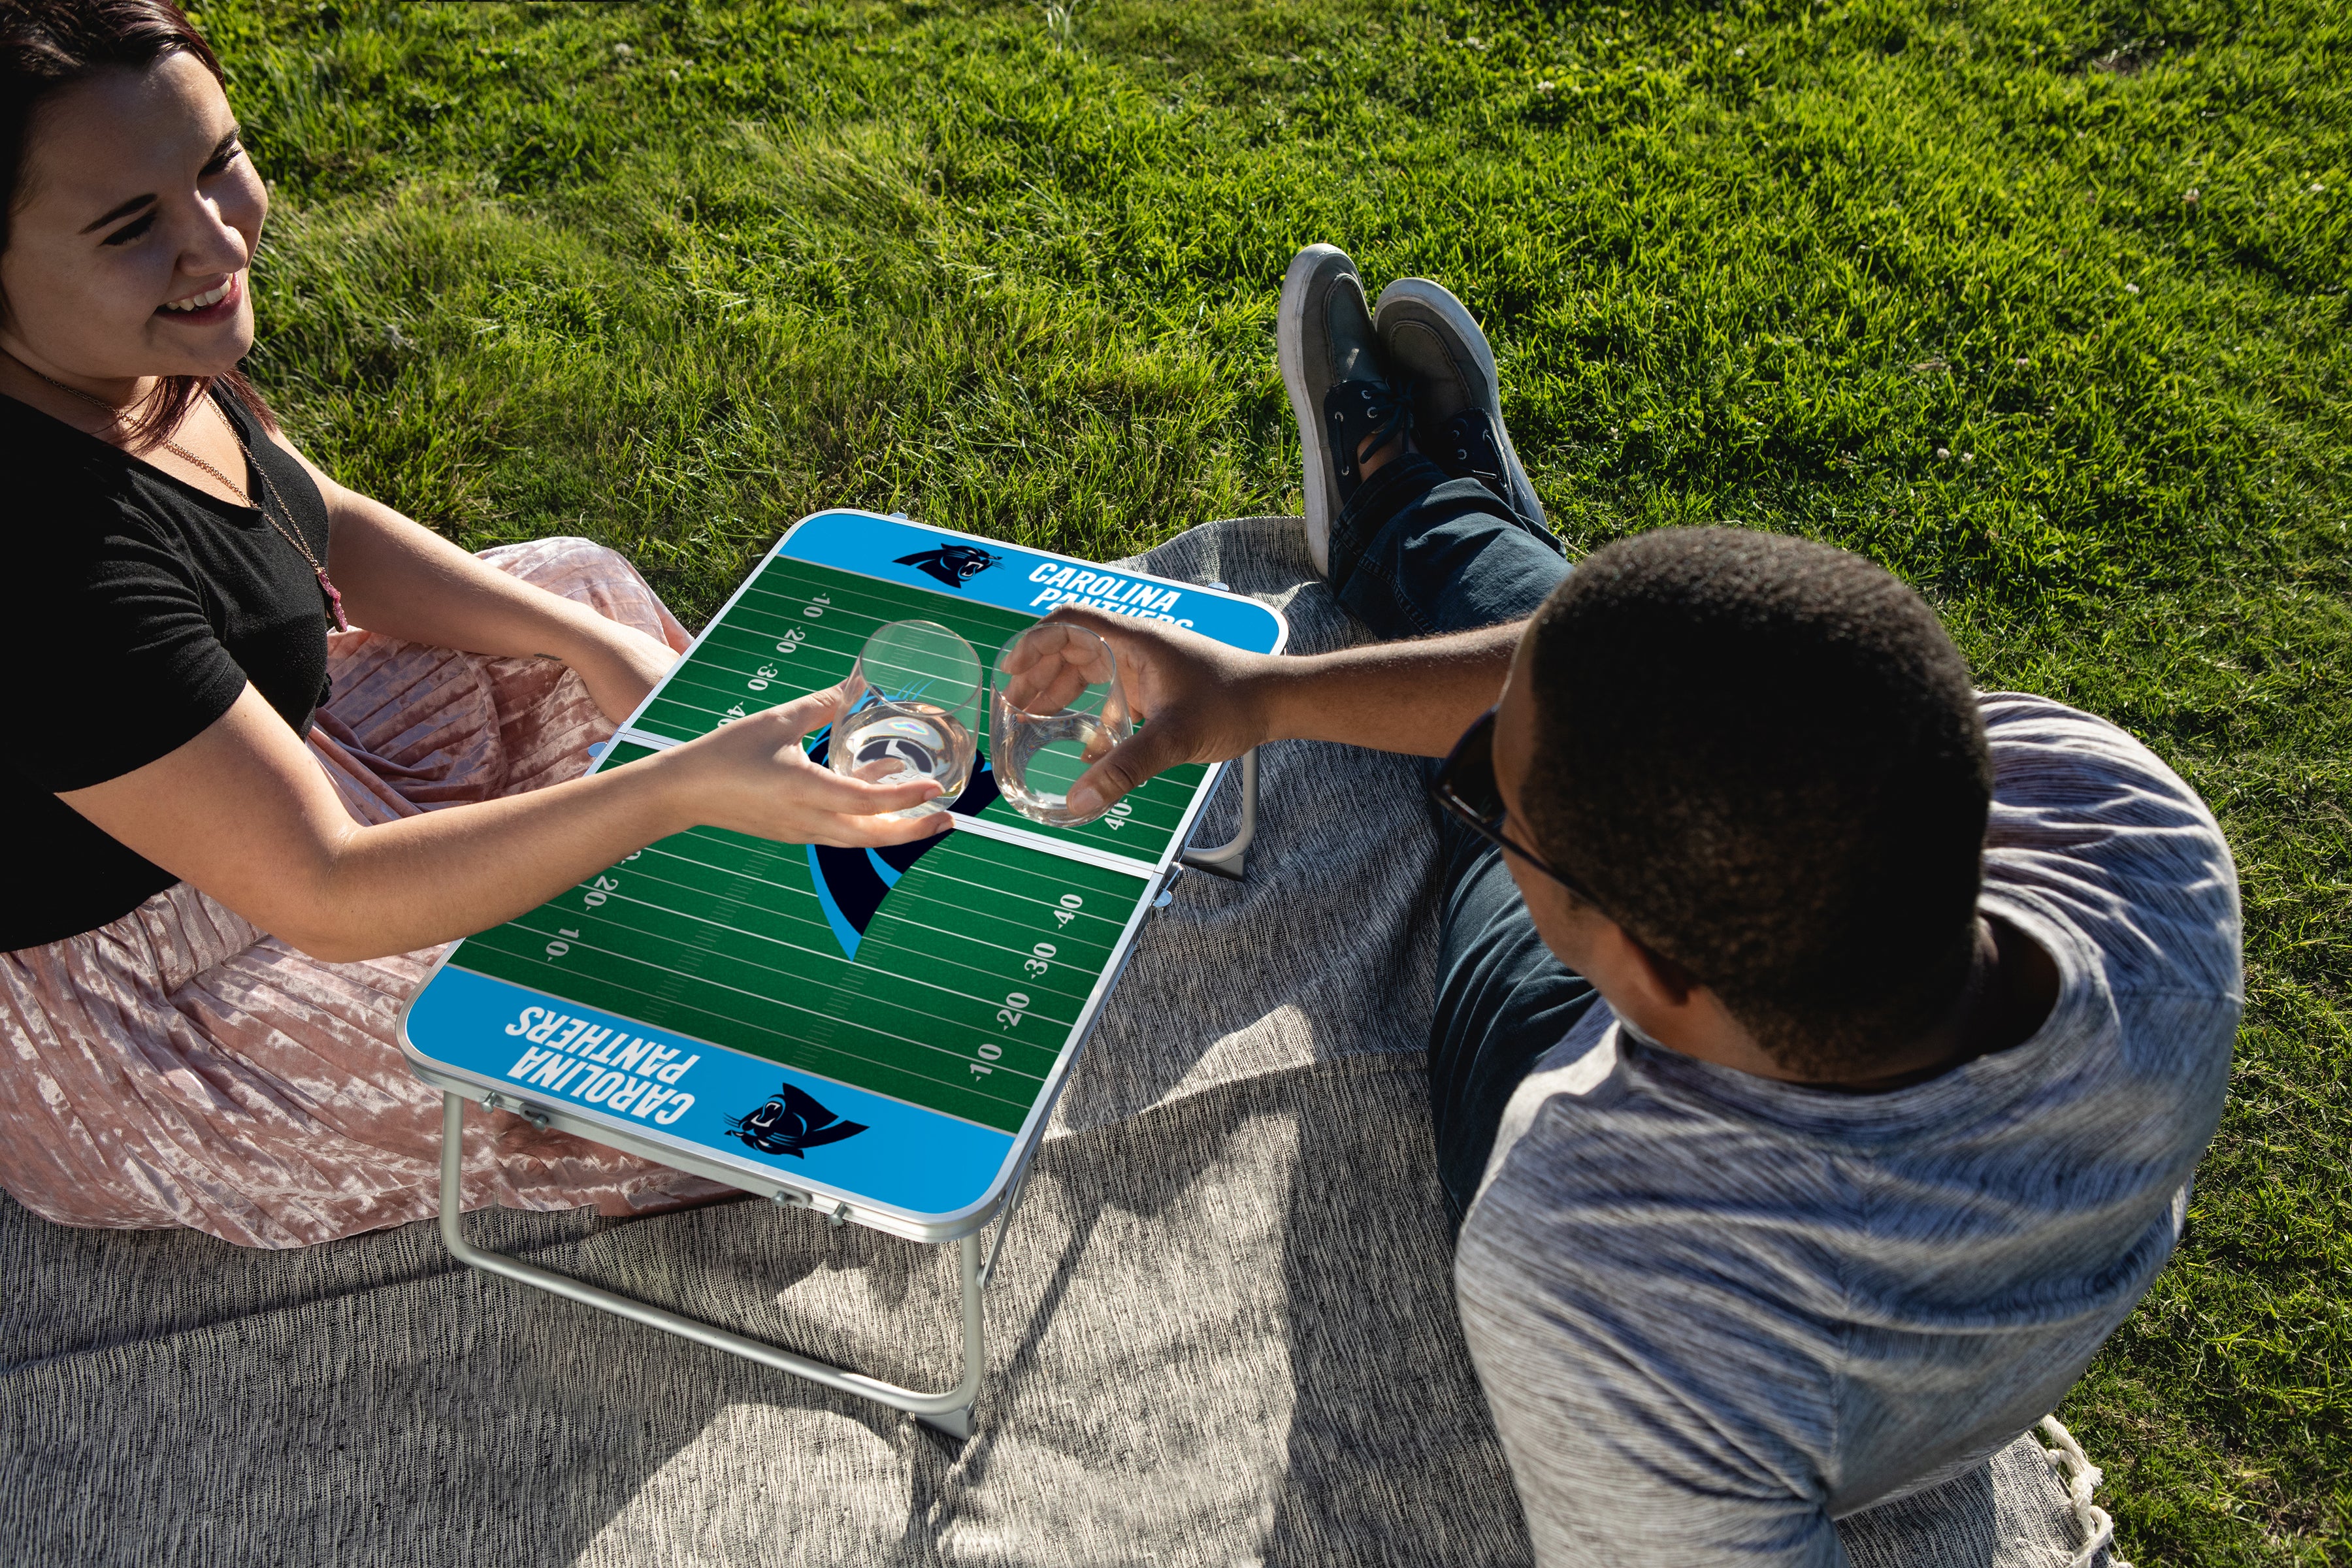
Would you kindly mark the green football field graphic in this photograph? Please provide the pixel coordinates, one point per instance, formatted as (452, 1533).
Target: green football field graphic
(956, 983)
(720, 936)
(797, 628)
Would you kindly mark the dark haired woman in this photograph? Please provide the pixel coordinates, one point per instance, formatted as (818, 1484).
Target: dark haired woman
(241, 829)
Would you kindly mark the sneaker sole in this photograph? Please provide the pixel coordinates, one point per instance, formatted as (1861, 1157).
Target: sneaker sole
(1463, 327)
(1290, 353)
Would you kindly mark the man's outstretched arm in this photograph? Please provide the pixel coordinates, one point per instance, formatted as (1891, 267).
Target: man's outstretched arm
(1206, 702)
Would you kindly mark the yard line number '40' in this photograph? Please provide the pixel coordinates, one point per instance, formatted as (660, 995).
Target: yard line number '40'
(1016, 1003)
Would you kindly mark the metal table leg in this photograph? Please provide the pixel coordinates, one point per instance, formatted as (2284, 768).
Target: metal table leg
(1228, 859)
(949, 1412)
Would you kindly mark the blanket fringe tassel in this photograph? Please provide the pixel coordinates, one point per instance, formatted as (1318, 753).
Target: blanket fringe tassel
(2073, 1468)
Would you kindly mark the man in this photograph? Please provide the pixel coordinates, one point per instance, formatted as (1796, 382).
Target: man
(1821, 1051)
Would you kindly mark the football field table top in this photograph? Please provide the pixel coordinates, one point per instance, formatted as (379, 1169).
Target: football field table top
(881, 1034)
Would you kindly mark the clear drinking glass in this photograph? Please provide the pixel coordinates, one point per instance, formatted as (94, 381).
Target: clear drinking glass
(914, 696)
(1056, 708)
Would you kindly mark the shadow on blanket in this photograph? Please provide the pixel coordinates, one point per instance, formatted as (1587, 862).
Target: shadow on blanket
(1223, 1329)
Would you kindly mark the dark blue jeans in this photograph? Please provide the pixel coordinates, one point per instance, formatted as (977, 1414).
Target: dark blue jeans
(1414, 554)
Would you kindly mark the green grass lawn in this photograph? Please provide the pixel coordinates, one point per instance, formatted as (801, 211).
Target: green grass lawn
(2041, 304)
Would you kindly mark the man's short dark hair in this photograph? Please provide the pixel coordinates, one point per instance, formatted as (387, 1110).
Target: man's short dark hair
(1764, 757)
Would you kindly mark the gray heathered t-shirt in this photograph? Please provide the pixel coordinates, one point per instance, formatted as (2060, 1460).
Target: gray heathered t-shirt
(1714, 1312)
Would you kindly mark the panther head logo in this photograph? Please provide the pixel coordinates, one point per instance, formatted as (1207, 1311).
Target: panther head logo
(791, 1122)
(851, 883)
(954, 564)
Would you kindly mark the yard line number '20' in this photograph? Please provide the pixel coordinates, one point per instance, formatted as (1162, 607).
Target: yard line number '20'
(1007, 1017)
(763, 677)
(795, 636)
(1015, 1008)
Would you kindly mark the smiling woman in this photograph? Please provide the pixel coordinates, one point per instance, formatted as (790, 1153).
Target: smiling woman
(238, 834)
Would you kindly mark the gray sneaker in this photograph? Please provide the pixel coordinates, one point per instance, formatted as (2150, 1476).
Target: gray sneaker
(1435, 346)
(1338, 380)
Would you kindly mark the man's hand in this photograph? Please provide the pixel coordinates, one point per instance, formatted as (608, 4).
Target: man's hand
(1209, 703)
(1202, 700)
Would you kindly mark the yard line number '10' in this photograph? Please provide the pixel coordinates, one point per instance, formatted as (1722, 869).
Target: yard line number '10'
(1016, 1003)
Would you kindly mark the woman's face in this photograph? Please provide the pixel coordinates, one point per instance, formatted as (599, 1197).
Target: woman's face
(136, 218)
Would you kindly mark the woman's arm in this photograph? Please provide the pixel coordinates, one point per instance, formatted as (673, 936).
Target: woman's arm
(400, 578)
(245, 812)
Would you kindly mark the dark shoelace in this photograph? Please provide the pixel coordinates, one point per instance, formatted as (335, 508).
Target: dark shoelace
(1470, 436)
(1379, 414)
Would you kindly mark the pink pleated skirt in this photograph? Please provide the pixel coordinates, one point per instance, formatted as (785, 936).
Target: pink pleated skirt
(181, 1067)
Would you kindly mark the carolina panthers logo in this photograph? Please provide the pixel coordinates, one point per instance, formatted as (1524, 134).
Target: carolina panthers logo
(907, 755)
(851, 883)
(791, 1122)
(954, 564)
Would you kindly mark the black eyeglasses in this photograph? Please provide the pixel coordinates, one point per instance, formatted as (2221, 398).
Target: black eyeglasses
(1465, 786)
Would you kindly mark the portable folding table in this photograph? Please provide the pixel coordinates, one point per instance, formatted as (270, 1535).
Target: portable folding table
(877, 1035)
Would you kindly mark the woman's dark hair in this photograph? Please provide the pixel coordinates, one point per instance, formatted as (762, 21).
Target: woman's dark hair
(1764, 757)
(48, 45)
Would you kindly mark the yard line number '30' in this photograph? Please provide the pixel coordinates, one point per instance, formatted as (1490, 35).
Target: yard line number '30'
(1016, 1003)
(763, 677)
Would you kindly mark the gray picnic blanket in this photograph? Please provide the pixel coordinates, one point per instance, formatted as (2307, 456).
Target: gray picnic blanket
(1223, 1330)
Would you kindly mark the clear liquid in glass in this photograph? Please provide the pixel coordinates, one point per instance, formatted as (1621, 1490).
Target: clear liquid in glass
(1055, 708)
(1036, 760)
(899, 742)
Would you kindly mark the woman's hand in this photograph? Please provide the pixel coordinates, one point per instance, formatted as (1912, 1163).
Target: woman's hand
(619, 664)
(752, 776)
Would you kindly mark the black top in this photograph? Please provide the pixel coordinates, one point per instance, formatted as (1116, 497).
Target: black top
(139, 608)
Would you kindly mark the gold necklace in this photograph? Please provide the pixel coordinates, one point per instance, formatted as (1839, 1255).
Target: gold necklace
(291, 535)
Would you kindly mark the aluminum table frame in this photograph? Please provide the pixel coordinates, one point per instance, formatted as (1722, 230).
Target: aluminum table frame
(949, 1412)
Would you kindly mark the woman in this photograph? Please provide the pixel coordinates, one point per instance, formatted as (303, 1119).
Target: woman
(240, 834)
